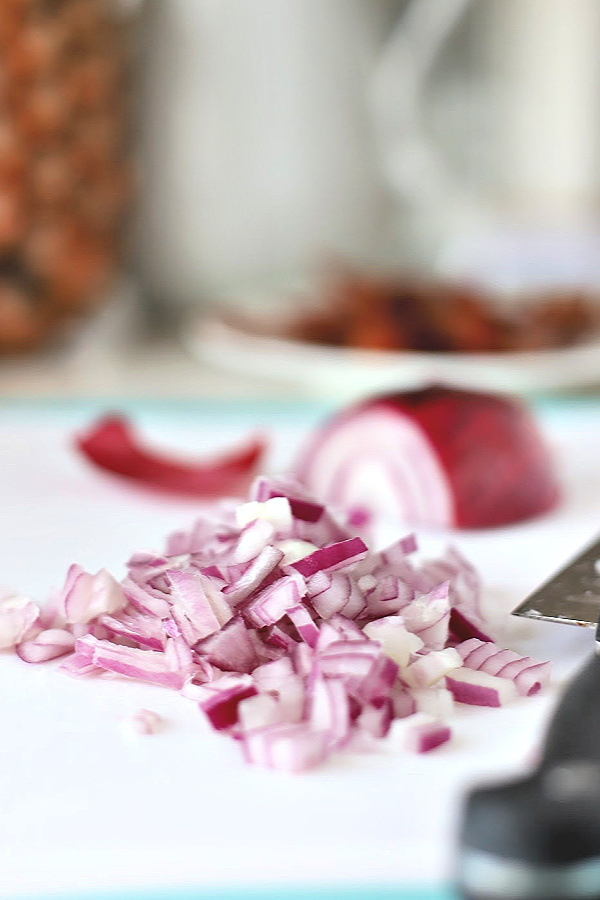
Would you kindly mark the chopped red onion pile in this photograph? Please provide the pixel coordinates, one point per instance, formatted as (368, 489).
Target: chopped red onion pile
(438, 456)
(287, 631)
(112, 445)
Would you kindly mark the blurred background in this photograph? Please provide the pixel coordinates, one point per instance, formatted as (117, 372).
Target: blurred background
(180, 178)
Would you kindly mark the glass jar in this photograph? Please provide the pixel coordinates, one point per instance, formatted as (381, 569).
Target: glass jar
(64, 172)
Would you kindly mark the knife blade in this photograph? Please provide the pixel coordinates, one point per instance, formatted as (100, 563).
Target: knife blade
(571, 595)
(538, 837)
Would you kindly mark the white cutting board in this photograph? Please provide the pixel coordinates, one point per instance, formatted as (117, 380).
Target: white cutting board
(84, 806)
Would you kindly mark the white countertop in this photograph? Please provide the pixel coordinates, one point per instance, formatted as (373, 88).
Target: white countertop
(182, 809)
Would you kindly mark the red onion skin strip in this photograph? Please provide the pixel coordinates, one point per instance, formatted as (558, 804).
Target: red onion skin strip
(112, 446)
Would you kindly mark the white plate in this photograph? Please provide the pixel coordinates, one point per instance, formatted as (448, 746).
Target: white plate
(347, 374)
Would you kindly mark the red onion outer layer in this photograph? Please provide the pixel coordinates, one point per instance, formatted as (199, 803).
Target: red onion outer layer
(112, 445)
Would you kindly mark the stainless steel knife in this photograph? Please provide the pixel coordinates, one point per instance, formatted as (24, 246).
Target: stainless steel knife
(538, 838)
(572, 595)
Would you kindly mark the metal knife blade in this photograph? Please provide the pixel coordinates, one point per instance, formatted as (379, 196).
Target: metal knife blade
(572, 595)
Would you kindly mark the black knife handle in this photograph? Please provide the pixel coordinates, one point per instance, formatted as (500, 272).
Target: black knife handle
(543, 829)
(574, 732)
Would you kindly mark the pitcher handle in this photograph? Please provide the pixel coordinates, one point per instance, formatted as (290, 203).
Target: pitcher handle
(413, 166)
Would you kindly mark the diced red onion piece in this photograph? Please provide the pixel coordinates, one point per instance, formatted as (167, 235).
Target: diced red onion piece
(222, 701)
(254, 538)
(304, 624)
(422, 733)
(48, 644)
(255, 574)
(196, 597)
(147, 631)
(259, 711)
(428, 617)
(437, 702)
(289, 748)
(271, 604)
(79, 665)
(302, 507)
(428, 669)
(145, 599)
(329, 710)
(145, 665)
(276, 511)
(335, 556)
(294, 549)
(396, 641)
(143, 722)
(529, 675)
(480, 689)
(85, 596)
(18, 614)
(231, 648)
(463, 625)
(403, 701)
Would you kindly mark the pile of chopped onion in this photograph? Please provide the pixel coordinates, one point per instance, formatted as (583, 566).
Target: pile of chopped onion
(289, 633)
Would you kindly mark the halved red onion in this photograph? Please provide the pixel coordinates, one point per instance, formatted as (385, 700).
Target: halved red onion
(112, 445)
(439, 456)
